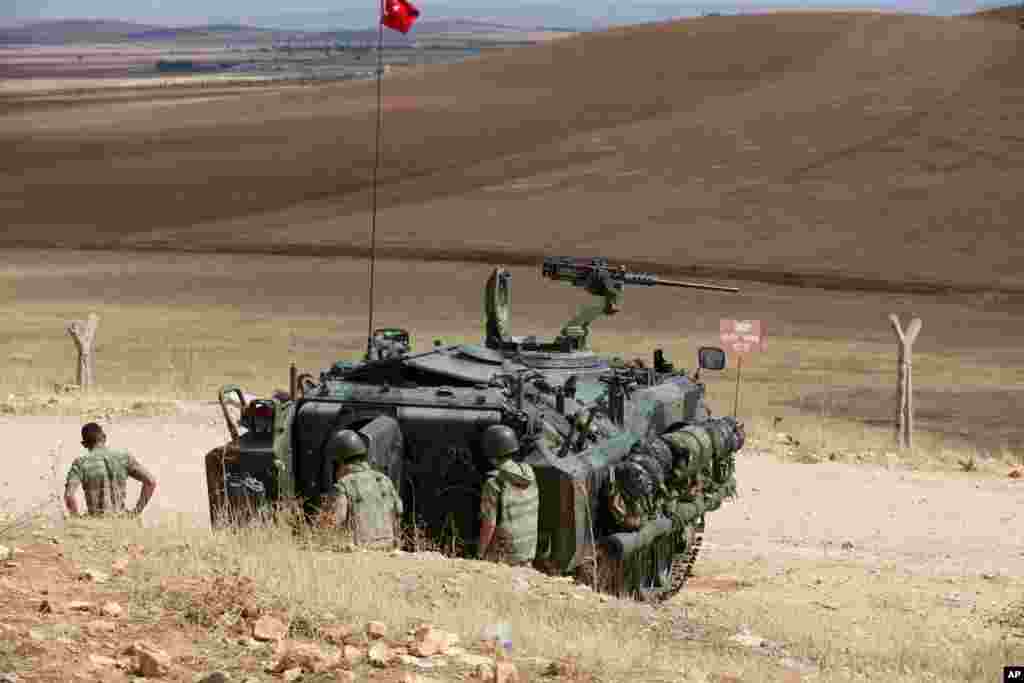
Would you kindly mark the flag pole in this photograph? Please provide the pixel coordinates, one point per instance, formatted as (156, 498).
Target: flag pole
(376, 166)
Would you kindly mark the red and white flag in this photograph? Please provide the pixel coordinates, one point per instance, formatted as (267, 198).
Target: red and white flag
(399, 15)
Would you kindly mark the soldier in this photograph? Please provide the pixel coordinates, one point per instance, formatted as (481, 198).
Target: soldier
(632, 495)
(103, 475)
(366, 502)
(509, 503)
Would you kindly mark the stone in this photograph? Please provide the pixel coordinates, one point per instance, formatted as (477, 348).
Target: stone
(111, 609)
(379, 654)
(149, 660)
(376, 630)
(93, 575)
(428, 641)
(748, 639)
(215, 677)
(8, 678)
(472, 660)
(80, 606)
(351, 655)
(102, 660)
(269, 628)
(338, 634)
(98, 626)
(304, 656)
(423, 662)
(800, 665)
(562, 669)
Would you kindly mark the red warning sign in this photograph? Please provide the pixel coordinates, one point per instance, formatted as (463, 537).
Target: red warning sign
(743, 336)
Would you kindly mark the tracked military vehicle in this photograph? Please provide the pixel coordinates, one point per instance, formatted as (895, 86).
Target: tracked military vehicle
(628, 458)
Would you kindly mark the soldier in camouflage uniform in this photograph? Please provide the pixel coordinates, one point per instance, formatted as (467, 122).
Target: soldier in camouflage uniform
(365, 501)
(509, 503)
(103, 475)
(631, 497)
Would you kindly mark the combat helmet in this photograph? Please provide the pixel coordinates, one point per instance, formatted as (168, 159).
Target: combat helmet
(499, 442)
(347, 445)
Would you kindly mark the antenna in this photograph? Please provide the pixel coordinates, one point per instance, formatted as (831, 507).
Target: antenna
(376, 165)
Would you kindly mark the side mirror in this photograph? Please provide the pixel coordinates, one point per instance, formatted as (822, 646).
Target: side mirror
(660, 364)
(710, 358)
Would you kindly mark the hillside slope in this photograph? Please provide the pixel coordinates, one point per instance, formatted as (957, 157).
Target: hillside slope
(62, 31)
(1010, 13)
(859, 147)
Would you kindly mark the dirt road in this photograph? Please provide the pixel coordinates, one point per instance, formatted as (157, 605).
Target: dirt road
(922, 523)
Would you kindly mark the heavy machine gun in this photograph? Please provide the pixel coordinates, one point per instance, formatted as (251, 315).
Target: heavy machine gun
(599, 278)
(595, 273)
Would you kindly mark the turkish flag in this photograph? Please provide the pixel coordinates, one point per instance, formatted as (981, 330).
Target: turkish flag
(399, 15)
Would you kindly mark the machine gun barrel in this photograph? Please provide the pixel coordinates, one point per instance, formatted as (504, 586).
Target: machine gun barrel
(651, 281)
(582, 272)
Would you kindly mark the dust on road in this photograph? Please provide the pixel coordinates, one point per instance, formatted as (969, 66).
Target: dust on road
(951, 524)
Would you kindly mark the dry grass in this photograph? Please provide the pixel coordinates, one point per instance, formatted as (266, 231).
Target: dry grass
(872, 624)
(313, 588)
(845, 622)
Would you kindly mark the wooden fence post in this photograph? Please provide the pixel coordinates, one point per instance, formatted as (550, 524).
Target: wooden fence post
(84, 334)
(905, 385)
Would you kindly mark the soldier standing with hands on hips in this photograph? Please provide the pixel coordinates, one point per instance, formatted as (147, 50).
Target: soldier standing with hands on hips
(103, 475)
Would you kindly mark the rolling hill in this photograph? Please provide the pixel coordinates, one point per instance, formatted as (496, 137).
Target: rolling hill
(63, 31)
(86, 31)
(1010, 13)
(838, 149)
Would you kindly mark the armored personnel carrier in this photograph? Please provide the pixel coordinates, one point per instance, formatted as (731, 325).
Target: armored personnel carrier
(628, 458)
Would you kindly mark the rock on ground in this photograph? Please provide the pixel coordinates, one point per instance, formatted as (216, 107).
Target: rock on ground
(268, 628)
(149, 660)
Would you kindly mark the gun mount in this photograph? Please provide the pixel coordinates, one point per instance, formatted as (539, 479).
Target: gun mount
(599, 278)
(595, 276)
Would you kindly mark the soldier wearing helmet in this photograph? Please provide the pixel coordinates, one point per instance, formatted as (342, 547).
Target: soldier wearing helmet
(365, 501)
(509, 502)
